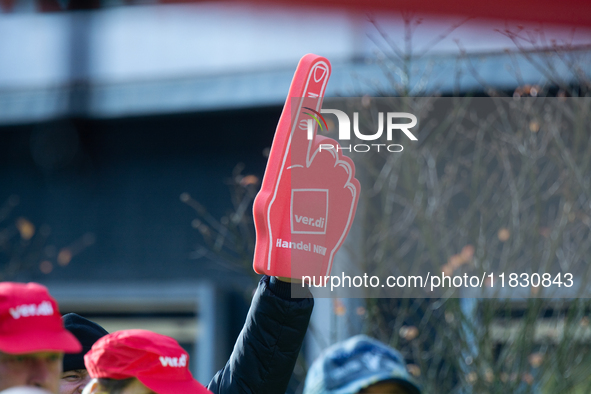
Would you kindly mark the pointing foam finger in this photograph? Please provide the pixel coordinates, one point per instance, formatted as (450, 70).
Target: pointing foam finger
(305, 101)
(309, 80)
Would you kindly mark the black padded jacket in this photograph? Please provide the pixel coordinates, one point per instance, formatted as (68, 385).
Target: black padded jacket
(266, 350)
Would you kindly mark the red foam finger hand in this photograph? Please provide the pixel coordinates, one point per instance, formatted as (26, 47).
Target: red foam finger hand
(309, 192)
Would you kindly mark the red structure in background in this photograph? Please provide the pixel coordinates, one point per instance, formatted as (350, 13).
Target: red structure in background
(569, 12)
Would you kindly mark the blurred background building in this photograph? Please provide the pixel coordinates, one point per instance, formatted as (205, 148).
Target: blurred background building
(110, 110)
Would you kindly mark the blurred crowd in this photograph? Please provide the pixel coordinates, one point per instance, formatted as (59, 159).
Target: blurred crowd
(44, 352)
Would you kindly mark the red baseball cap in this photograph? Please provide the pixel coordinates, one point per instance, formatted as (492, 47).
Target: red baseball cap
(156, 360)
(30, 321)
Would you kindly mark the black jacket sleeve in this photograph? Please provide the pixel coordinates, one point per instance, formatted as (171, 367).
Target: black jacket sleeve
(265, 353)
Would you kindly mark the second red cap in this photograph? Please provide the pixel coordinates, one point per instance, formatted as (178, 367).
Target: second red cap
(156, 360)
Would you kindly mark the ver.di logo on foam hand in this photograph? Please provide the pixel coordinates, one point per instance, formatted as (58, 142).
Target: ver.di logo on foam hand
(309, 211)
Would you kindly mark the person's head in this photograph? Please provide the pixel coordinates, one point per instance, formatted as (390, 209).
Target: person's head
(139, 362)
(360, 365)
(75, 376)
(118, 386)
(32, 337)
